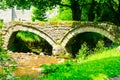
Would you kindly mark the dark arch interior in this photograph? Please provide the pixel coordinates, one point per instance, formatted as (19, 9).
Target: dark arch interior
(24, 41)
(91, 38)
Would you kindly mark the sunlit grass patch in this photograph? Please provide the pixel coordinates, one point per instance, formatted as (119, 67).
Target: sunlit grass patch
(105, 54)
(101, 66)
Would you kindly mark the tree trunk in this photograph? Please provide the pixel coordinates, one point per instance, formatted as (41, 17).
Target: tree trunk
(91, 14)
(76, 11)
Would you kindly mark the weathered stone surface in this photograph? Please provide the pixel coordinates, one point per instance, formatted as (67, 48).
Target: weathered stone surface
(59, 32)
(58, 50)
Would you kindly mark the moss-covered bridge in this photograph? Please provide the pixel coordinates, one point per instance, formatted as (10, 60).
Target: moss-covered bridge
(57, 34)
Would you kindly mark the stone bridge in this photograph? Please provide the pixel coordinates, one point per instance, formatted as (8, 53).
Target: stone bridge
(57, 34)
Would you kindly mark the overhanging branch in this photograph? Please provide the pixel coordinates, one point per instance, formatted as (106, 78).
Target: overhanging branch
(64, 5)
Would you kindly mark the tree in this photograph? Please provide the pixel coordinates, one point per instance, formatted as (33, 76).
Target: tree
(43, 5)
(114, 6)
(110, 10)
(38, 14)
(90, 10)
(63, 13)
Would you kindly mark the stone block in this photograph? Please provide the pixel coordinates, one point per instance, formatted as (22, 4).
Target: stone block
(58, 50)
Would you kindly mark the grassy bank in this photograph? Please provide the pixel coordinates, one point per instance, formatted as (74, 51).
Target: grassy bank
(100, 66)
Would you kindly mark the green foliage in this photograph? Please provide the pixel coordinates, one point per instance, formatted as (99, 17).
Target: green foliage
(87, 10)
(24, 78)
(49, 69)
(30, 42)
(82, 52)
(94, 69)
(28, 36)
(90, 38)
(38, 14)
(1, 23)
(64, 13)
(66, 2)
(7, 65)
(53, 68)
(99, 47)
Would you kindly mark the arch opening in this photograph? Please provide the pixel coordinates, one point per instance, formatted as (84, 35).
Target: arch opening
(25, 41)
(91, 38)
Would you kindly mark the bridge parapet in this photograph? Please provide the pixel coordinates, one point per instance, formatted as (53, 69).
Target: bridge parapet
(59, 33)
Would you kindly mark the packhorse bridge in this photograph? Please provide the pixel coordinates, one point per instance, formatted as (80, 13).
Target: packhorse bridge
(57, 34)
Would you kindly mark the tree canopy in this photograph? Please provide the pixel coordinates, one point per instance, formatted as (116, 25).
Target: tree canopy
(90, 10)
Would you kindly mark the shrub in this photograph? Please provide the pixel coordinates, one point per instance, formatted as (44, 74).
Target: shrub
(1, 23)
(30, 42)
(82, 52)
(99, 47)
(85, 51)
(7, 65)
(96, 69)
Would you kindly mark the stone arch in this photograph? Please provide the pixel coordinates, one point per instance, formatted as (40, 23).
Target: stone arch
(79, 30)
(12, 31)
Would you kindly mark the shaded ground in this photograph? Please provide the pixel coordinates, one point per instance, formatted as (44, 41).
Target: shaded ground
(29, 63)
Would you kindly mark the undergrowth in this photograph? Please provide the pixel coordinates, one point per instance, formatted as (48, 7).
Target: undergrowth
(85, 52)
(96, 67)
(102, 64)
(7, 65)
(26, 41)
(1, 23)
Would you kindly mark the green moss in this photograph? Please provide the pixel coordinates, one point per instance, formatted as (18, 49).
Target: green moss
(64, 23)
(17, 22)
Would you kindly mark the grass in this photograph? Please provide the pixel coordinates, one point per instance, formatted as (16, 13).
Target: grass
(100, 66)
(1, 23)
(113, 52)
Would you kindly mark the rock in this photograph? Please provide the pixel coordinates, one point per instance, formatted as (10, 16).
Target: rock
(30, 54)
(61, 61)
(42, 54)
(10, 52)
